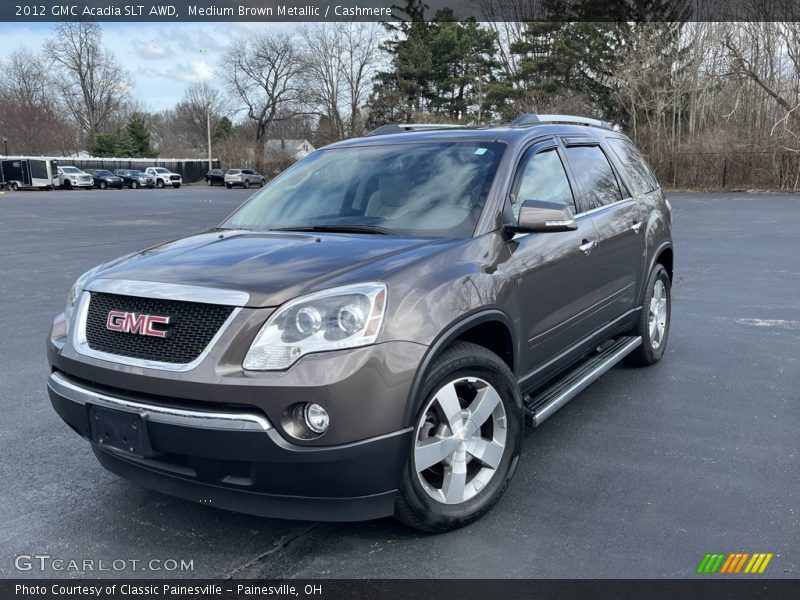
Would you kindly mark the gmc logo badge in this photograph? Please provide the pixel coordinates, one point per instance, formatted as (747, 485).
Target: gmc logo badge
(129, 322)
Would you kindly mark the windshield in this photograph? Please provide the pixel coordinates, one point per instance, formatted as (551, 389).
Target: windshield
(103, 173)
(431, 189)
(137, 174)
(70, 170)
(160, 170)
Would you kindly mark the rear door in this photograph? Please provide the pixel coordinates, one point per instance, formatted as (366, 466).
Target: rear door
(556, 281)
(618, 219)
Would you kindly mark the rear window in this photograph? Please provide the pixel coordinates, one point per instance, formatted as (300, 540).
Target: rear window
(596, 178)
(635, 165)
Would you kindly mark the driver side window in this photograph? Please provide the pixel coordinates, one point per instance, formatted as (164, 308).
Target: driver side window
(543, 178)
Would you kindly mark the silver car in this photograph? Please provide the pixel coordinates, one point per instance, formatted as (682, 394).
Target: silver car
(244, 178)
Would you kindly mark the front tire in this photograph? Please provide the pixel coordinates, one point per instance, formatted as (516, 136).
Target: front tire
(228, 185)
(134, 185)
(176, 185)
(103, 185)
(208, 182)
(467, 440)
(654, 319)
(160, 184)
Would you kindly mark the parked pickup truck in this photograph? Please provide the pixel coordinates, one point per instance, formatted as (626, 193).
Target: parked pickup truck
(164, 177)
(69, 177)
(369, 334)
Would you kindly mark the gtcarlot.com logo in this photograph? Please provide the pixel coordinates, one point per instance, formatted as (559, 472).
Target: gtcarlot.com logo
(45, 562)
(722, 563)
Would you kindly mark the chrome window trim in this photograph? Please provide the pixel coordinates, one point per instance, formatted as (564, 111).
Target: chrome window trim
(228, 421)
(604, 207)
(169, 291)
(81, 344)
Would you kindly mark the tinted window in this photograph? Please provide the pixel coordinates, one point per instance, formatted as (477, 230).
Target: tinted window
(634, 163)
(596, 179)
(428, 189)
(543, 178)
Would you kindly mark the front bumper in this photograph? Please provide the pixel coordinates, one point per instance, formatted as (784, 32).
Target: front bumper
(234, 458)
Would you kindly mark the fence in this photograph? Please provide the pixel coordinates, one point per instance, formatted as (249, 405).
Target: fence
(731, 170)
(191, 169)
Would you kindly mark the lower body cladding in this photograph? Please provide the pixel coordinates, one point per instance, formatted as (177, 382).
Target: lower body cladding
(235, 460)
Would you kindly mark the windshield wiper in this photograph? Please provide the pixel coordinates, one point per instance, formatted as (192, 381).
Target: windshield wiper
(374, 229)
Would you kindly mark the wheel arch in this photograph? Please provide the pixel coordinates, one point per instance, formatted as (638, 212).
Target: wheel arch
(491, 329)
(663, 254)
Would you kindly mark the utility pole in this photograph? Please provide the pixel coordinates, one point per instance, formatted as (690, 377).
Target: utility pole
(208, 126)
(5, 143)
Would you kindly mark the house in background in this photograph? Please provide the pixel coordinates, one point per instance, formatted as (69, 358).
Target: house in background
(289, 149)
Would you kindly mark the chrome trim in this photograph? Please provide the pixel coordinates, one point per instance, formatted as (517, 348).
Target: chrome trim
(597, 209)
(81, 344)
(604, 363)
(229, 421)
(169, 291)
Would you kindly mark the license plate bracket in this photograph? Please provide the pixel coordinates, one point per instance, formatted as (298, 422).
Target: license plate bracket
(120, 430)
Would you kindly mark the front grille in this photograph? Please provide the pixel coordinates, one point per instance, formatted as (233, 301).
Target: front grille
(174, 177)
(191, 328)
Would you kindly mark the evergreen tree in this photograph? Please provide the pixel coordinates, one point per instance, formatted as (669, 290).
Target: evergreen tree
(137, 142)
(105, 145)
(222, 130)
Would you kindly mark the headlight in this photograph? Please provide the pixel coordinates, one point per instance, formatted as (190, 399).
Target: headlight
(76, 291)
(344, 317)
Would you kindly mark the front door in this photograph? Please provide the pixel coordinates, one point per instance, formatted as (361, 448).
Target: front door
(557, 284)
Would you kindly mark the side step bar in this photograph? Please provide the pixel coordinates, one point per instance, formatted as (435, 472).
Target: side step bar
(542, 406)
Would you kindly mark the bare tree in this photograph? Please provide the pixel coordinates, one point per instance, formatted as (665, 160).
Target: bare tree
(93, 86)
(342, 59)
(201, 103)
(30, 118)
(266, 72)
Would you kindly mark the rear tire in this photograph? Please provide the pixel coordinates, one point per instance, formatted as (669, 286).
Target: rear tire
(228, 185)
(459, 468)
(654, 319)
(13, 186)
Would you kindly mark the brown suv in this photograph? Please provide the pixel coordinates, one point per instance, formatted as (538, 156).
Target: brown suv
(367, 335)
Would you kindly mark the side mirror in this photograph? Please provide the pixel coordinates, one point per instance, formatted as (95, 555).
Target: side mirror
(538, 216)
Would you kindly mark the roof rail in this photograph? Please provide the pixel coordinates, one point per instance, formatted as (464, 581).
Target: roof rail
(533, 119)
(406, 127)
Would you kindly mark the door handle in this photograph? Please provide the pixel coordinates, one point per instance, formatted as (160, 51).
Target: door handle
(587, 246)
(636, 227)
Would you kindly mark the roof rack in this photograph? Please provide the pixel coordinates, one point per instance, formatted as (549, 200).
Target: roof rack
(406, 127)
(533, 119)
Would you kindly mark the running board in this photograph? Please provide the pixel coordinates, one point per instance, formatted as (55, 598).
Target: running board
(542, 406)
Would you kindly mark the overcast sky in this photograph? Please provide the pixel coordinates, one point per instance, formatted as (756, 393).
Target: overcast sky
(163, 58)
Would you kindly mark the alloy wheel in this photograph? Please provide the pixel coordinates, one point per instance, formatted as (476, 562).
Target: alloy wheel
(657, 316)
(460, 440)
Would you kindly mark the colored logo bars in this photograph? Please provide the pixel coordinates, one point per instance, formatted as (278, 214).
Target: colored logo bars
(736, 562)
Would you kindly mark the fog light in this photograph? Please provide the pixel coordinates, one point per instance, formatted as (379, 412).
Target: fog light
(316, 418)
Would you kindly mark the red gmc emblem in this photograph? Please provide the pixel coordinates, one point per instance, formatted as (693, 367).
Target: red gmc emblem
(129, 322)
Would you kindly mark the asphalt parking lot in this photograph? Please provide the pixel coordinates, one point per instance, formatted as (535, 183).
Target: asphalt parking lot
(639, 476)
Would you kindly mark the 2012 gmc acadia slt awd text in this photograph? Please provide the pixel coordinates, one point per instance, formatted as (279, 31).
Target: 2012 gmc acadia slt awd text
(368, 334)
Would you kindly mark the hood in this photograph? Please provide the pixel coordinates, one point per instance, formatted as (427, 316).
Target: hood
(272, 267)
